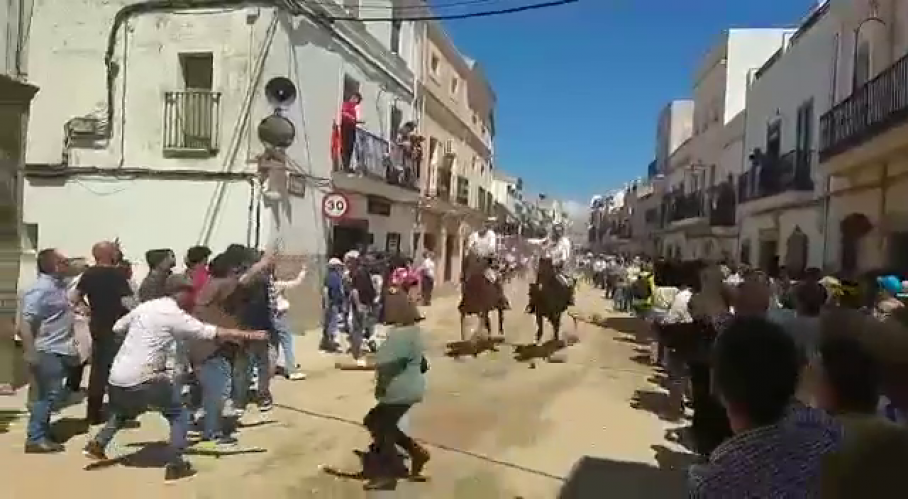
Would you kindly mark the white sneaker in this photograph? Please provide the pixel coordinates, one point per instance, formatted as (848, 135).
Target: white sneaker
(297, 376)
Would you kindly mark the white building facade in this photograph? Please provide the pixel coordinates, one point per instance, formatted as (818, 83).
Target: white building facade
(781, 188)
(16, 94)
(169, 157)
(457, 107)
(863, 135)
(698, 192)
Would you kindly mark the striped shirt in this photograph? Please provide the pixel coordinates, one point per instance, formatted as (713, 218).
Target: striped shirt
(779, 461)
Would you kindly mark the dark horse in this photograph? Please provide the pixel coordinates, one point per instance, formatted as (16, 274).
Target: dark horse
(480, 295)
(549, 298)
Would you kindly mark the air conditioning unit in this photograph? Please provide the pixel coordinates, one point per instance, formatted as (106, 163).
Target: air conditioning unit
(449, 147)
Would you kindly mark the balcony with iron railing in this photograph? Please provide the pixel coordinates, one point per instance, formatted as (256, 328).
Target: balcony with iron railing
(376, 158)
(874, 108)
(770, 176)
(723, 205)
(684, 206)
(191, 123)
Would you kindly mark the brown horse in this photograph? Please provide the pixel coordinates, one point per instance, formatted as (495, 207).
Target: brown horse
(549, 298)
(480, 295)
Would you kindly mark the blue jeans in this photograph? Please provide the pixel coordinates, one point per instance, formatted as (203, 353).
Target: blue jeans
(330, 324)
(128, 402)
(255, 358)
(622, 298)
(48, 374)
(284, 339)
(361, 329)
(214, 377)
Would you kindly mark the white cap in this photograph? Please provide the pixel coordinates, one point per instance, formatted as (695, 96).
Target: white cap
(351, 255)
(335, 262)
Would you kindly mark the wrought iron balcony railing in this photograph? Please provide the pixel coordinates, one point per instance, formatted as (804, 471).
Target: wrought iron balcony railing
(683, 206)
(870, 110)
(191, 120)
(772, 176)
(723, 205)
(377, 158)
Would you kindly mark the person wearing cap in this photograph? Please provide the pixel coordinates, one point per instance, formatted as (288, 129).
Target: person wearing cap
(139, 377)
(332, 303)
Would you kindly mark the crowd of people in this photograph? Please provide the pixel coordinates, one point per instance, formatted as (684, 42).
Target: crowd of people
(798, 388)
(202, 344)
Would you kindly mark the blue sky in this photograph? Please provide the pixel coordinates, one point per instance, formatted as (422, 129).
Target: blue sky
(579, 86)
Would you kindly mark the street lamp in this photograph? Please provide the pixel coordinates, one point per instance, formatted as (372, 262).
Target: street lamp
(874, 6)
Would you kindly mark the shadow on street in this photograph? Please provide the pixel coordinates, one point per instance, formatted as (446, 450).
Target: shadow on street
(658, 403)
(594, 477)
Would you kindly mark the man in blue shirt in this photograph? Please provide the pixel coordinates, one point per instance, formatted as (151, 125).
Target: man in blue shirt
(47, 332)
(333, 303)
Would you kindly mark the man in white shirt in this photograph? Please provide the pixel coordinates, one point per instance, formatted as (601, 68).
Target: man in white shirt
(484, 242)
(558, 248)
(141, 375)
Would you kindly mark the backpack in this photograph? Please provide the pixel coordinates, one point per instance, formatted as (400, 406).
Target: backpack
(640, 289)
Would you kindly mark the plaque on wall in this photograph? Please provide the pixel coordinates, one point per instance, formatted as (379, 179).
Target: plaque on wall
(296, 184)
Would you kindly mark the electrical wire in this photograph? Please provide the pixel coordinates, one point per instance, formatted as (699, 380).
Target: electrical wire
(426, 7)
(452, 17)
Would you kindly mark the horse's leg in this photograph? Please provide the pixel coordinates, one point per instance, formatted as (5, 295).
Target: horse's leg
(501, 322)
(487, 322)
(539, 318)
(555, 319)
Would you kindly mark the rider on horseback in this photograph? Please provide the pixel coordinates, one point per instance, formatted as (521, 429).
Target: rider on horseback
(558, 248)
(484, 245)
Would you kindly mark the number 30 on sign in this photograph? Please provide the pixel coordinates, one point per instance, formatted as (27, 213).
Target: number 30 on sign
(335, 205)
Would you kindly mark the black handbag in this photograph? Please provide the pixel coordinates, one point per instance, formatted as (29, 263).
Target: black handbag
(424, 365)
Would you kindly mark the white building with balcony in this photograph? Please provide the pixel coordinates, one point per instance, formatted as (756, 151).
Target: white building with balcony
(863, 136)
(457, 109)
(698, 199)
(780, 190)
(146, 126)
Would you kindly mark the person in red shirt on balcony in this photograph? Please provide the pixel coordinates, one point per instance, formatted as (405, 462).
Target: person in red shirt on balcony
(350, 118)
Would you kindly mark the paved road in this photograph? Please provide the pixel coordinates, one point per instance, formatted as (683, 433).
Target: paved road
(496, 427)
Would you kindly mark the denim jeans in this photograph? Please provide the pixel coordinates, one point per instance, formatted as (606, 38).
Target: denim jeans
(160, 394)
(330, 324)
(48, 374)
(284, 339)
(214, 380)
(256, 357)
(361, 328)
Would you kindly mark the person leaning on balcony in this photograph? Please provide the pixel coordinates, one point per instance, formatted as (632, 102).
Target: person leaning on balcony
(350, 118)
(410, 146)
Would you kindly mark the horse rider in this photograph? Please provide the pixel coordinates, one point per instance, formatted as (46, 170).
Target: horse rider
(558, 248)
(483, 244)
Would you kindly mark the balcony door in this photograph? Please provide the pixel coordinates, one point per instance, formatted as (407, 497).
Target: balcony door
(195, 107)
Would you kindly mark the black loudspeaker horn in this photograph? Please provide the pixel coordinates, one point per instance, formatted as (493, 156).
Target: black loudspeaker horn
(280, 91)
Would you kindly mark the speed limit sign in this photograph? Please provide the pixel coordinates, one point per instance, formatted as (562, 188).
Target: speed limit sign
(335, 205)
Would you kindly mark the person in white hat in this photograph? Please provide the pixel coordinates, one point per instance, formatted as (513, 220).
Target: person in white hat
(333, 298)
